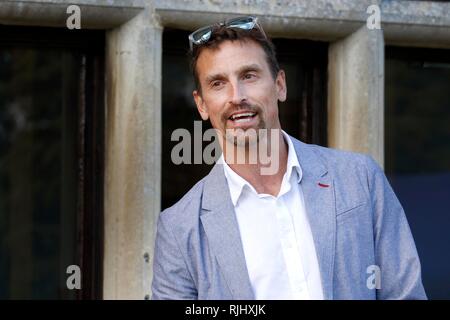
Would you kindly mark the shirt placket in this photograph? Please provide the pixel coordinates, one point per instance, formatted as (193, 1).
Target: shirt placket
(291, 251)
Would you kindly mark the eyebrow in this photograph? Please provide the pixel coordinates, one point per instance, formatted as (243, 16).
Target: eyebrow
(243, 69)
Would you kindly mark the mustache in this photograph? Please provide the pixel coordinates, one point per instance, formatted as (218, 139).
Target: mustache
(243, 106)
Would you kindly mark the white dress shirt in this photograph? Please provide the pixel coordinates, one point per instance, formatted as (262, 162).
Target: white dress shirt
(276, 236)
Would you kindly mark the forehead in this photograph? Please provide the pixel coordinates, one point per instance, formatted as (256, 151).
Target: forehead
(230, 56)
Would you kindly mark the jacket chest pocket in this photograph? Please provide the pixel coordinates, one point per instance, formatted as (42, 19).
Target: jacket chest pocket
(359, 211)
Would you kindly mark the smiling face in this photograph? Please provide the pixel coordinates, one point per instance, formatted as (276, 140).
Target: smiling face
(238, 90)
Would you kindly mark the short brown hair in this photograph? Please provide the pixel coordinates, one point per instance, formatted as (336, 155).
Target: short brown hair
(222, 33)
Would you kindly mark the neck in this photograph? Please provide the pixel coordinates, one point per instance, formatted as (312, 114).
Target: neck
(266, 177)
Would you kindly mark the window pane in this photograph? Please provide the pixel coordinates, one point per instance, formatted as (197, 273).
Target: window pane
(50, 168)
(32, 168)
(303, 114)
(418, 154)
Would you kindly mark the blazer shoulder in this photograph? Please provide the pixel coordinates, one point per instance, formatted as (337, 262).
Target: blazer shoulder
(186, 207)
(335, 158)
(349, 167)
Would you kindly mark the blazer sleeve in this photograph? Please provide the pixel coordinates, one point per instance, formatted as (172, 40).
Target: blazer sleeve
(171, 278)
(395, 251)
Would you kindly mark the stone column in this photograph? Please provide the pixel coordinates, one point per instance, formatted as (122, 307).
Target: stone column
(133, 153)
(356, 93)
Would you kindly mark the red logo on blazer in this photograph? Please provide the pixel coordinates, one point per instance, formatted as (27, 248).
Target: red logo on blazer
(323, 185)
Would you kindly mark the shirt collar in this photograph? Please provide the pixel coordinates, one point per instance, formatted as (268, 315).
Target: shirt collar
(236, 183)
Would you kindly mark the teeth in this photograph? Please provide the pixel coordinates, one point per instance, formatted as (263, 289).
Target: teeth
(247, 114)
(243, 120)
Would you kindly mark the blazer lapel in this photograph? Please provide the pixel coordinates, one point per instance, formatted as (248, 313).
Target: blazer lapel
(318, 192)
(221, 227)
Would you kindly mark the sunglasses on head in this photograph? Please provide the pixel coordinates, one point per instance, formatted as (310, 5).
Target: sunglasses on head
(203, 34)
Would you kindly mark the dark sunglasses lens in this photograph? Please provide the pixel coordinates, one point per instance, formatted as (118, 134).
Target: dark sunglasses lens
(201, 35)
(243, 23)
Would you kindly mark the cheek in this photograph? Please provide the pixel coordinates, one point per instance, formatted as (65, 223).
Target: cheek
(267, 90)
(272, 114)
(215, 109)
(269, 100)
(215, 100)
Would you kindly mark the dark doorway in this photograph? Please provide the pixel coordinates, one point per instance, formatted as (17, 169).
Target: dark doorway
(417, 137)
(51, 161)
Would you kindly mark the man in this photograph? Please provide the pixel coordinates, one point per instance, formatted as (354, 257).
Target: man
(324, 225)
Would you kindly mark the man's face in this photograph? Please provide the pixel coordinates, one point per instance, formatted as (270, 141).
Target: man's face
(237, 88)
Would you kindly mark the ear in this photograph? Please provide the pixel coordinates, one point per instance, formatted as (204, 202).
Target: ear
(280, 83)
(201, 106)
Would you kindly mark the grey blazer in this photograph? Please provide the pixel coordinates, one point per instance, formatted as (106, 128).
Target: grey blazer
(357, 222)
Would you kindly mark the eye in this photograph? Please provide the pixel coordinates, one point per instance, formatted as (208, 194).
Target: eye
(249, 76)
(216, 84)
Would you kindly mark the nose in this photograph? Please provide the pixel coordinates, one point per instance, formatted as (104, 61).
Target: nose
(238, 95)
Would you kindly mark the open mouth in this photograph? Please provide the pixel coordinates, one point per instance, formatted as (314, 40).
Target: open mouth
(242, 117)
